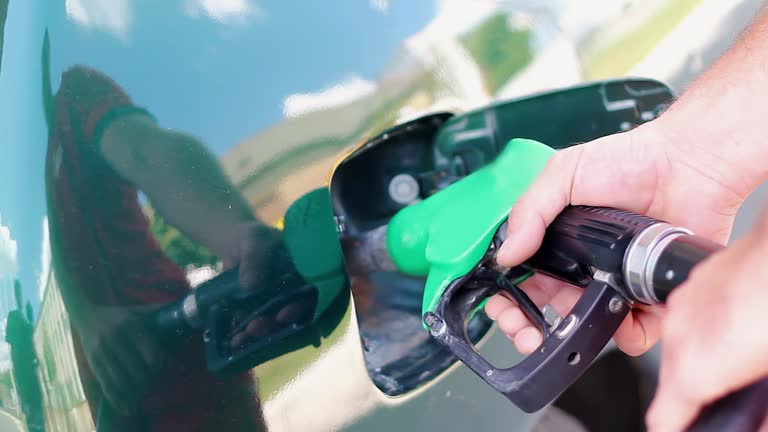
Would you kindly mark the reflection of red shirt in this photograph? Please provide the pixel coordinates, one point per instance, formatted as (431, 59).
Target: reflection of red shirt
(106, 244)
(103, 247)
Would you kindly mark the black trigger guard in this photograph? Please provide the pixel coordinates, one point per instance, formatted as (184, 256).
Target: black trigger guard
(491, 278)
(224, 360)
(525, 304)
(562, 357)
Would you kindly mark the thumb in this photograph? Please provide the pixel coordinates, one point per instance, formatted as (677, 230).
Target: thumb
(549, 194)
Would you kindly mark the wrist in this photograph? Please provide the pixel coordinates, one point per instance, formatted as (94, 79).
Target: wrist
(718, 120)
(714, 148)
(243, 239)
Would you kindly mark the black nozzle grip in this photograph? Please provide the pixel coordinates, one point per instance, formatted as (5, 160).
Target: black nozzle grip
(581, 237)
(567, 350)
(742, 411)
(169, 321)
(677, 260)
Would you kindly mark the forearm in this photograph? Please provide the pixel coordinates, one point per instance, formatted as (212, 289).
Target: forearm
(191, 191)
(720, 120)
(182, 179)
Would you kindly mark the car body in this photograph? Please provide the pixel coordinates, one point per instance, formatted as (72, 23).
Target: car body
(283, 95)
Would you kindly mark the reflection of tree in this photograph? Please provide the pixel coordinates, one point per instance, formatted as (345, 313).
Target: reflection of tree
(178, 247)
(3, 15)
(25, 366)
(499, 51)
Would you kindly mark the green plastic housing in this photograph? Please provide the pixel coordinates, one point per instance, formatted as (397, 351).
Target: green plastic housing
(446, 235)
(320, 261)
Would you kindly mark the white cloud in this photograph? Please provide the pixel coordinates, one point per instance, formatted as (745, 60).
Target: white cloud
(456, 17)
(113, 16)
(225, 11)
(343, 93)
(45, 260)
(5, 356)
(8, 252)
(380, 5)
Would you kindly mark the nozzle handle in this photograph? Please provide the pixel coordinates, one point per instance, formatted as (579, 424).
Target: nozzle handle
(742, 411)
(616, 256)
(182, 316)
(647, 257)
(650, 258)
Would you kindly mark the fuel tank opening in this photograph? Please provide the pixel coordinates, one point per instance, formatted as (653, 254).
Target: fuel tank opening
(396, 168)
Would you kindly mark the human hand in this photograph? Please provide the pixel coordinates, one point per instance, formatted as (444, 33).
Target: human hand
(121, 351)
(642, 171)
(258, 252)
(250, 247)
(713, 342)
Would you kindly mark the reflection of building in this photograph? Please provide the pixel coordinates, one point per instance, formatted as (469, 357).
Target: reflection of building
(65, 405)
(8, 399)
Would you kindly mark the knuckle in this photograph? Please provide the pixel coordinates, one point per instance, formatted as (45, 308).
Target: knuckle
(511, 320)
(560, 157)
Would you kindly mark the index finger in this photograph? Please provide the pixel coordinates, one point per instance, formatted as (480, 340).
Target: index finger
(549, 194)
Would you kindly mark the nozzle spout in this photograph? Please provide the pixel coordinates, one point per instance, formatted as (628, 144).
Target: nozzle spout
(367, 252)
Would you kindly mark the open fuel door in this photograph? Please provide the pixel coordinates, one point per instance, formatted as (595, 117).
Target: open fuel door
(414, 160)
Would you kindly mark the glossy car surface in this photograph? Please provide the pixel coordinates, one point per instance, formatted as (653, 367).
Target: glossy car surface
(148, 146)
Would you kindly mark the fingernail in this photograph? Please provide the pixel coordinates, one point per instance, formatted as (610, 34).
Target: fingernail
(504, 249)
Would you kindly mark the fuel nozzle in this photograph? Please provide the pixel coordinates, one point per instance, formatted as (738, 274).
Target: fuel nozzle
(643, 258)
(367, 252)
(660, 258)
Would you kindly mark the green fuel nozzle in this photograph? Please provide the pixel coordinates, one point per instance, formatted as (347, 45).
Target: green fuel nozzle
(617, 257)
(446, 235)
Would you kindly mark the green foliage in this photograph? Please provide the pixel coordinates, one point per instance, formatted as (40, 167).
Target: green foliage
(499, 51)
(179, 248)
(30, 313)
(620, 57)
(18, 297)
(5, 379)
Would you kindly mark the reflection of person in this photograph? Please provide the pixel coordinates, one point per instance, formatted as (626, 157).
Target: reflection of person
(693, 167)
(104, 149)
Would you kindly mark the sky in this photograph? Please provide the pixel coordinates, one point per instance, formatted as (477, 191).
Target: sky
(219, 69)
(222, 69)
(22, 208)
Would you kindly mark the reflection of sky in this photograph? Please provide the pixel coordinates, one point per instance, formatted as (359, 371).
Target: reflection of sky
(194, 63)
(22, 206)
(223, 82)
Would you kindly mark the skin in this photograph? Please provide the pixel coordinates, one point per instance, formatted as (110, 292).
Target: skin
(692, 167)
(186, 185)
